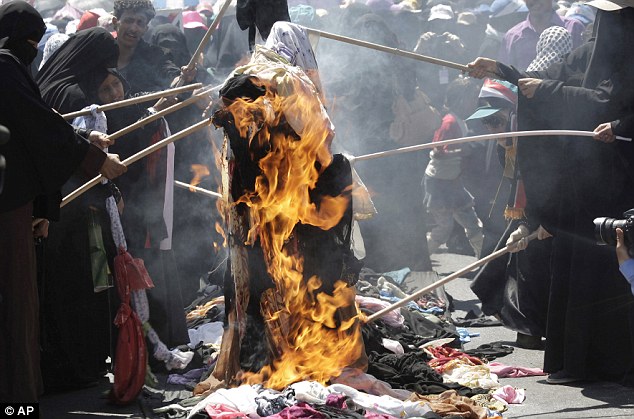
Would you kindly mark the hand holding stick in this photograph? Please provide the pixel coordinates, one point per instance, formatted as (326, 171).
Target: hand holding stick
(142, 122)
(191, 66)
(212, 28)
(447, 279)
(138, 156)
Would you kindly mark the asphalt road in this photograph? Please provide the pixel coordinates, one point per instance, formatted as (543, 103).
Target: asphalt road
(543, 400)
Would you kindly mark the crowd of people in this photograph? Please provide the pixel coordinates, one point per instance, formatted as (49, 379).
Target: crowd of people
(546, 65)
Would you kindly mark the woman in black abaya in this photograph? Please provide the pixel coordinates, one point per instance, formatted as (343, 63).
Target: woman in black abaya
(63, 78)
(79, 252)
(41, 155)
(569, 182)
(194, 219)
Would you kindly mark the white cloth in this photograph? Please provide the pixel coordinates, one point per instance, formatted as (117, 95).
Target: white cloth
(291, 42)
(310, 392)
(168, 204)
(554, 43)
(387, 405)
(210, 333)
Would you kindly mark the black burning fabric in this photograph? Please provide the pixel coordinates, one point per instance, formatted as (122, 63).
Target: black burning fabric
(326, 253)
(261, 14)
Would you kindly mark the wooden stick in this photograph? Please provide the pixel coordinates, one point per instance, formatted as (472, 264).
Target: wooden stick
(476, 138)
(390, 50)
(196, 189)
(207, 37)
(135, 100)
(446, 279)
(136, 157)
(203, 42)
(142, 122)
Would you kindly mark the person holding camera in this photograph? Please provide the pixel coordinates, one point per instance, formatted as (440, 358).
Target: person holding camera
(41, 155)
(569, 182)
(626, 262)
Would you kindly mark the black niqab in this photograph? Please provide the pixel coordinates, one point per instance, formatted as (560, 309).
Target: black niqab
(20, 22)
(173, 42)
(65, 77)
(614, 39)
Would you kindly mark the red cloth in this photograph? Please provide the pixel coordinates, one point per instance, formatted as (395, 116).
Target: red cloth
(131, 356)
(449, 129)
(133, 269)
(88, 20)
(444, 354)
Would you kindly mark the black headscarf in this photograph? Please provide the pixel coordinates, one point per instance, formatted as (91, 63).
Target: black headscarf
(20, 22)
(172, 41)
(65, 78)
(614, 39)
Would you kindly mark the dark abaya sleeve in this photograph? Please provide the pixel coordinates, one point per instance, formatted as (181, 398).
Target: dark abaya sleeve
(44, 150)
(574, 65)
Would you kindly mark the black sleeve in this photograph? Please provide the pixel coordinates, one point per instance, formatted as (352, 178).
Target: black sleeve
(83, 132)
(624, 127)
(53, 148)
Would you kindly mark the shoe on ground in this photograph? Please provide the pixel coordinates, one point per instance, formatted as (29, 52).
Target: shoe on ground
(561, 377)
(529, 342)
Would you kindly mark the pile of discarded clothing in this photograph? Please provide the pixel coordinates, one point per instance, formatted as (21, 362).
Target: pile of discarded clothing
(416, 365)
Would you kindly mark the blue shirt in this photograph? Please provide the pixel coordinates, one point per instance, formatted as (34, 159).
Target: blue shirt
(627, 269)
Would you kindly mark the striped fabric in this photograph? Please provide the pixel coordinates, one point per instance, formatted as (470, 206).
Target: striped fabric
(499, 89)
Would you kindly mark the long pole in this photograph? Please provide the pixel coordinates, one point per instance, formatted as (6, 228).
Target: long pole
(203, 42)
(395, 51)
(135, 100)
(446, 279)
(136, 157)
(207, 37)
(474, 138)
(142, 122)
(196, 189)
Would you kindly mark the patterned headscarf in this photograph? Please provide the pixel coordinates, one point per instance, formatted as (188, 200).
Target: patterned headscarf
(554, 43)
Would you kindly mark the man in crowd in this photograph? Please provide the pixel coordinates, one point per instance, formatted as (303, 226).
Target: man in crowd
(520, 42)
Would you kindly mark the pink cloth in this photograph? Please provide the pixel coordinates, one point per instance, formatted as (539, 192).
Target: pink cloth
(394, 318)
(510, 395)
(301, 410)
(506, 371)
(220, 411)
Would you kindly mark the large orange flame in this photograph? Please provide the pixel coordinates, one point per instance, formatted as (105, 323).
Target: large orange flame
(314, 342)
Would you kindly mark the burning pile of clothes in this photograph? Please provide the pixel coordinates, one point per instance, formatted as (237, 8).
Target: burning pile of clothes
(287, 334)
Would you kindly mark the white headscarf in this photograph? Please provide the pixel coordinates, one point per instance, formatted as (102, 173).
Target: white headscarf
(554, 43)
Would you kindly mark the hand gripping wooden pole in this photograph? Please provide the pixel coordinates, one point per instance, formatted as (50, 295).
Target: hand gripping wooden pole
(212, 28)
(446, 279)
(138, 156)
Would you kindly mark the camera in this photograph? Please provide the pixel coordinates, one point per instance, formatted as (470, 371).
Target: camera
(605, 229)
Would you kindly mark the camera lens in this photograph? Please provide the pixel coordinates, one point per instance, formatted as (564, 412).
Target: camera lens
(605, 229)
